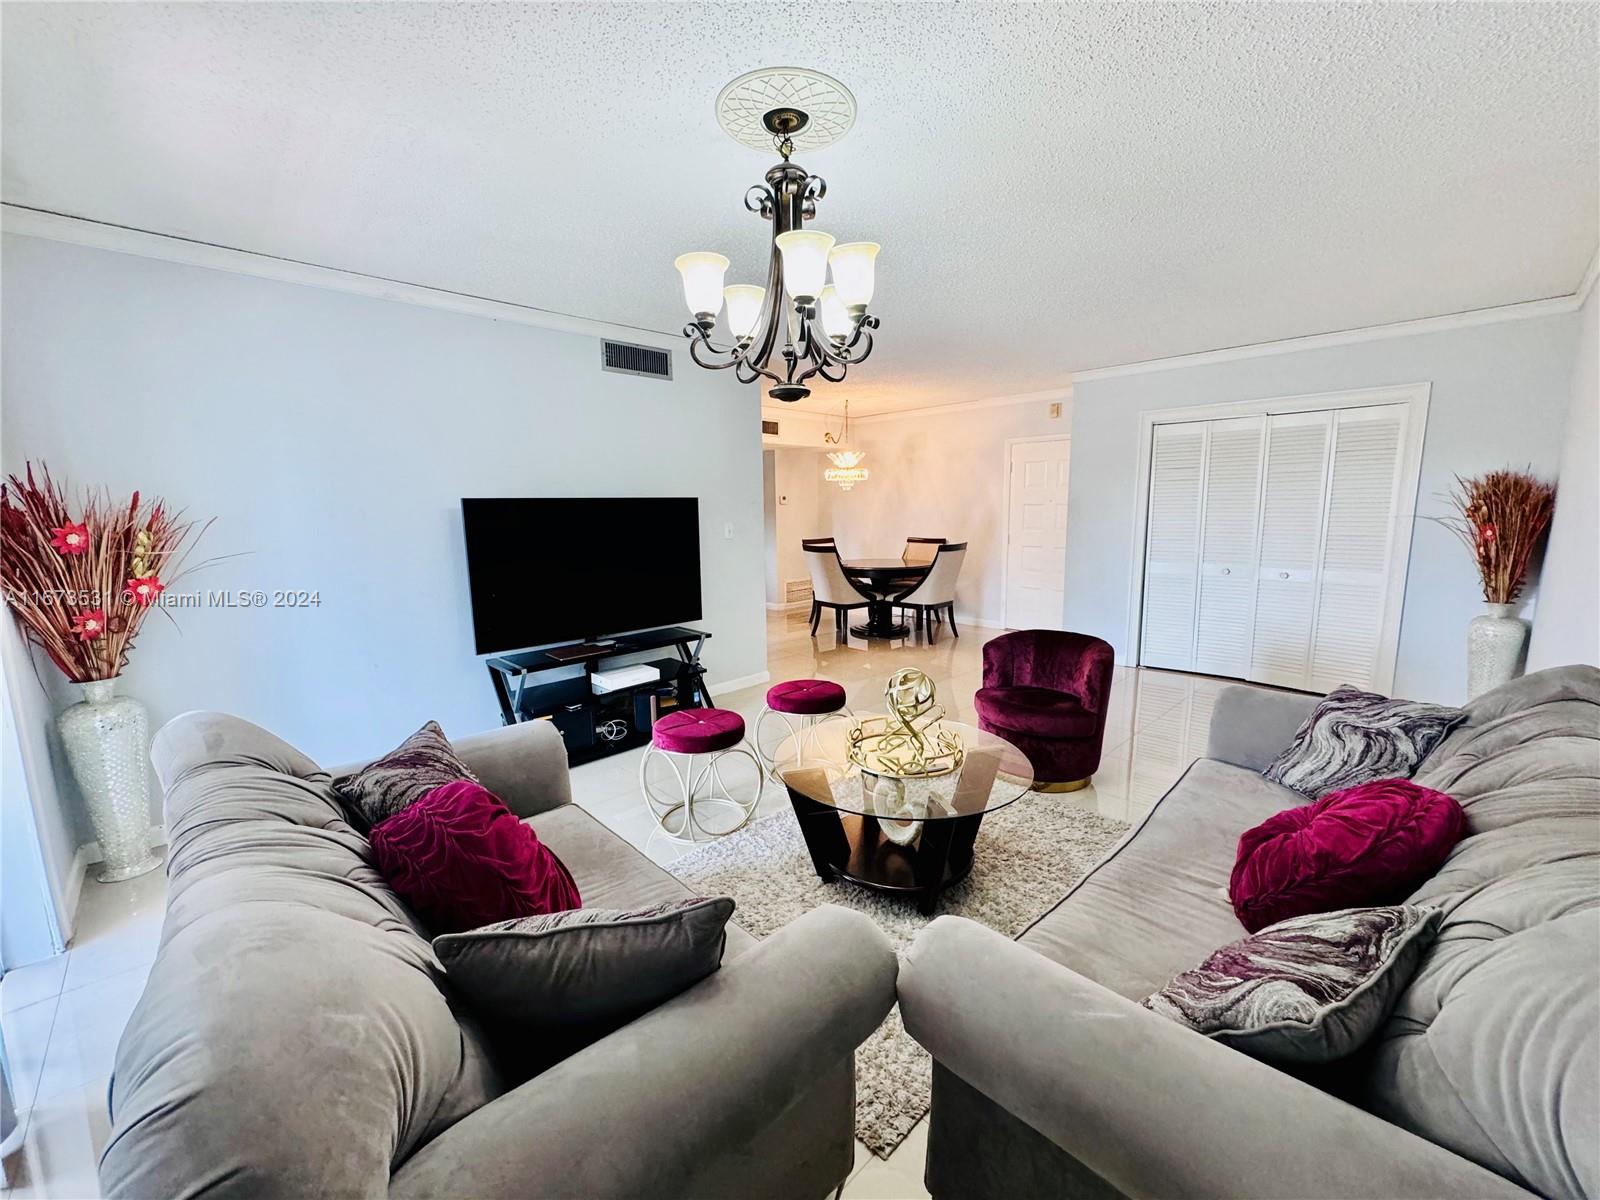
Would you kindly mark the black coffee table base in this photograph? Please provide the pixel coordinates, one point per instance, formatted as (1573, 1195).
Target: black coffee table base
(851, 847)
(881, 622)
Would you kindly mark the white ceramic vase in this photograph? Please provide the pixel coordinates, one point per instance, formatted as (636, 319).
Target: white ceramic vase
(107, 740)
(1497, 644)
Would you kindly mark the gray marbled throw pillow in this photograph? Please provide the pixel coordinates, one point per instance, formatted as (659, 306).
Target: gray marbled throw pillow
(383, 787)
(1354, 737)
(1307, 990)
(588, 970)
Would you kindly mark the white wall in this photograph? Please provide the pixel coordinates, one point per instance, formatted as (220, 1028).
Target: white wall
(1500, 396)
(942, 474)
(800, 511)
(798, 427)
(333, 436)
(1567, 628)
(769, 524)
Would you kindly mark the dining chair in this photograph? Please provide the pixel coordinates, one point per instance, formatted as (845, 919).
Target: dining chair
(936, 595)
(829, 587)
(920, 552)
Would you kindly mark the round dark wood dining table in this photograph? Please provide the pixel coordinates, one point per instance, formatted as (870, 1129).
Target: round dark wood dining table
(883, 581)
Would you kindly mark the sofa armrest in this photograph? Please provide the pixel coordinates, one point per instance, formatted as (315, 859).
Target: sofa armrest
(639, 1112)
(1152, 1108)
(524, 764)
(1251, 727)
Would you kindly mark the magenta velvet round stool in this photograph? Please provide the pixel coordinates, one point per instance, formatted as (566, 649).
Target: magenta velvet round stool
(810, 701)
(680, 738)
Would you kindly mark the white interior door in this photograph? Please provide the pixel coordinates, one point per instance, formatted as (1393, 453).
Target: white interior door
(1225, 614)
(1172, 545)
(1358, 548)
(1293, 500)
(1036, 534)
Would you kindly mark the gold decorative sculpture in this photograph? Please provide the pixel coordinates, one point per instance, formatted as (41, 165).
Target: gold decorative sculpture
(909, 741)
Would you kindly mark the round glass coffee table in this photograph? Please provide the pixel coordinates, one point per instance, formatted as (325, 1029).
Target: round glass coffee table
(911, 835)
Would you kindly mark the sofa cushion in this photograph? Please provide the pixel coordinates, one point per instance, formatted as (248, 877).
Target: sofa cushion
(1353, 736)
(386, 785)
(567, 978)
(1494, 1050)
(1158, 903)
(1310, 989)
(1036, 710)
(613, 874)
(459, 859)
(1369, 844)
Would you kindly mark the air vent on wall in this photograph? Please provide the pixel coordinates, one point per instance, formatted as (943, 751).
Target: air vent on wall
(628, 359)
(769, 427)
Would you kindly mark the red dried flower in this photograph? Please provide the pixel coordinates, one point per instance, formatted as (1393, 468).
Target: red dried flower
(1486, 532)
(70, 538)
(143, 590)
(90, 625)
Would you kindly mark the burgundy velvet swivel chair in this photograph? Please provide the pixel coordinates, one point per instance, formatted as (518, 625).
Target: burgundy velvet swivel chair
(1047, 692)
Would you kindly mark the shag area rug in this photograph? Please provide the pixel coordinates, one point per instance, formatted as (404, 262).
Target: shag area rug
(1028, 854)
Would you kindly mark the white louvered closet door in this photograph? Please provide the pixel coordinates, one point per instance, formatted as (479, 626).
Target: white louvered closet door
(1172, 546)
(1358, 548)
(1225, 616)
(1292, 509)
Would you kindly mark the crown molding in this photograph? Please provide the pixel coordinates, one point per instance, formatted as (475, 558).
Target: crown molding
(122, 239)
(1528, 309)
(934, 410)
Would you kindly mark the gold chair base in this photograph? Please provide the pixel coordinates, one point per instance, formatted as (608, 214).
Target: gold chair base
(1075, 785)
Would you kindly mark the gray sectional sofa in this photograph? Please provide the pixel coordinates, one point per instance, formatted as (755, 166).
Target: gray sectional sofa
(1050, 1080)
(296, 1037)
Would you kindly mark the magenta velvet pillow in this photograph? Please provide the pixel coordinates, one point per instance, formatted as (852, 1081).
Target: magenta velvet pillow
(1366, 845)
(461, 859)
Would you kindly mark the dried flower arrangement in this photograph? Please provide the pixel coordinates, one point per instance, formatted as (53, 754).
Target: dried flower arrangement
(1501, 518)
(82, 588)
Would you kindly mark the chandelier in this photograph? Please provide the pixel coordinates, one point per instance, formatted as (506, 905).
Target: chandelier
(825, 327)
(847, 470)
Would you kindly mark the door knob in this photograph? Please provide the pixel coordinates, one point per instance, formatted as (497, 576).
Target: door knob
(1227, 570)
(1283, 574)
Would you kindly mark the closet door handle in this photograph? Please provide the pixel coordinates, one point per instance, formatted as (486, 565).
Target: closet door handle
(1227, 570)
(1283, 574)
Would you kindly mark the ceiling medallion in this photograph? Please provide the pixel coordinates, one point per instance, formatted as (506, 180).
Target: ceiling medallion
(786, 108)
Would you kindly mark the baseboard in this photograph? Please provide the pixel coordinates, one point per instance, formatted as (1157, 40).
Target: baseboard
(981, 622)
(90, 853)
(75, 877)
(743, 681)
(82, 859)
(798, 604)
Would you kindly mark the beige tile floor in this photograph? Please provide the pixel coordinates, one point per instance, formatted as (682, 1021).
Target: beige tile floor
(62, 1018)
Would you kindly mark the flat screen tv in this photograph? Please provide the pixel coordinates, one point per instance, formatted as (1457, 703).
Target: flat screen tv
(559, 570)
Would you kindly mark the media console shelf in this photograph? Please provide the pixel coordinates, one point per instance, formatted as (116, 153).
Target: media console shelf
(592, 724)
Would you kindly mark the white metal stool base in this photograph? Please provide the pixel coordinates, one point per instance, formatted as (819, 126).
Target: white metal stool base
(807, 733)
(676, 816)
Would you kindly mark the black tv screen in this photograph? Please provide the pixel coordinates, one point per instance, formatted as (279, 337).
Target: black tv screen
(558, 570)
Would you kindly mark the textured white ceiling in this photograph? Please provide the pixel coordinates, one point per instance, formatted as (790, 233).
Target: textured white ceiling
(1055, 186)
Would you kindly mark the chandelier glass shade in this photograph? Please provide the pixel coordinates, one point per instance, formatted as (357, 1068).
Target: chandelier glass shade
(799, 326)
